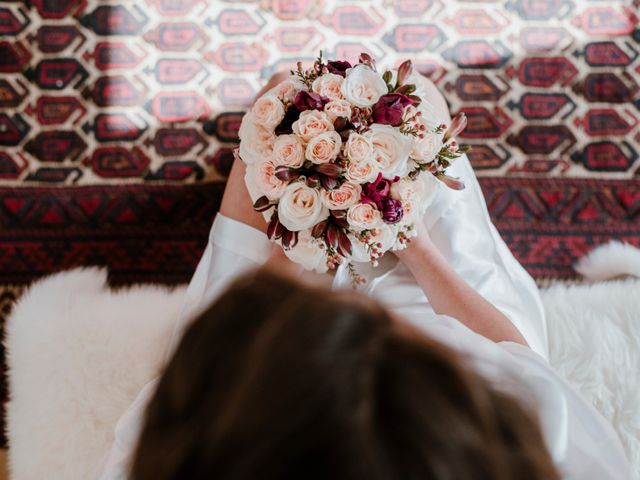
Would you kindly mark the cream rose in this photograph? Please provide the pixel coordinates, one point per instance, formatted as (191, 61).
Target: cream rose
(328, 85)
(410, 193)
(312, 123)
(390, 150)
(347, 195)
(338, 108)
(358, 148)
(425, 149)
(300, 207)
(363, 171)
(362, 86)
(324, 147)
(364, 216)
(288, 151)
(308, 253)
(268, 111)
(256, 143)
(264, 177)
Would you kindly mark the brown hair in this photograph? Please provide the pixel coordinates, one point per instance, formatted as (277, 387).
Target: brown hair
(277, 380)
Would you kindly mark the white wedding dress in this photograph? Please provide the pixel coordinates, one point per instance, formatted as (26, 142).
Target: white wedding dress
(581, 443)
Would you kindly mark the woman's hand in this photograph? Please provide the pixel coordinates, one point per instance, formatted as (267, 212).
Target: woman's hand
(450, 295)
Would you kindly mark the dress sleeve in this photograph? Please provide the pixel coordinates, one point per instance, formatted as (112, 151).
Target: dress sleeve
(460, 226)
(233, 249)
(582, 443)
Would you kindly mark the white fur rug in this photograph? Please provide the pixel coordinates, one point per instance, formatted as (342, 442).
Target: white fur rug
(79, 353)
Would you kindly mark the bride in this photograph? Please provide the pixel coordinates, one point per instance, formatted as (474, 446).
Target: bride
(457, 282)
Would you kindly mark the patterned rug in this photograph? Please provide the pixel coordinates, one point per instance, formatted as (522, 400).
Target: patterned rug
(117, 119)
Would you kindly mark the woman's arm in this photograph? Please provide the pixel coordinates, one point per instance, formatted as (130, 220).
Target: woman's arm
(450, 295)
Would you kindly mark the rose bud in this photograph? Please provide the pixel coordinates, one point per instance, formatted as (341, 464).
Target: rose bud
(309, 101)
(344, 244)
(450, 182)
(404, 71)
(457, 125)
(392, 210)
(389, 108)
(275, 229)
(338, 67)
(289, 239)
(319, 229)
(262, 204)
(367, 60)
(291, 115)
(332, 236)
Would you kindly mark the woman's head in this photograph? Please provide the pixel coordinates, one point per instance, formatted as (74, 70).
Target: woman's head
(277, 380)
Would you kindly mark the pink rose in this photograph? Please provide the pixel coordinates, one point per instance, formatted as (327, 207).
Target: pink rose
(300, 207)
(287, 89)
(312, 123)
(288, 151)
(324, 147)
(338, 108)
(347, 195)
(256, 142)
(328, 85)
(268, 111)
(266, 181)
(309, 253)
(364, 216)
(358, 148)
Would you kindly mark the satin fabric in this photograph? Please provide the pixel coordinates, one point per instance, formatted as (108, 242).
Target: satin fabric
(582, 444)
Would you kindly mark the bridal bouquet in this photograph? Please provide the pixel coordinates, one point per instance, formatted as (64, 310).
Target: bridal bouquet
(344, 160)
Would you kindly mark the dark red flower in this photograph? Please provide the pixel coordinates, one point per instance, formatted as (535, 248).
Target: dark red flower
(377, 191)
(339, 67)
(392, 210)
(309, 101)
(389, 108)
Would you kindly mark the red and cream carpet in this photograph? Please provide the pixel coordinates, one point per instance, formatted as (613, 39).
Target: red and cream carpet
(117, 119)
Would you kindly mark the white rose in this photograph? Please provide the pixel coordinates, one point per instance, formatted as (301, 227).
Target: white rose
(362, 86)
(359, 251)
(390, 150)
(386, 235)
(338, 108)
(364, 216)
(268, 111)
(265, 180)
(312, 123)
(324, 147)
(425, 149)
(431, 186)
(256, 143)
(308, 253)
(410, 193)
(328, 85)
(347, 195)
(300, 207)
(288, 151)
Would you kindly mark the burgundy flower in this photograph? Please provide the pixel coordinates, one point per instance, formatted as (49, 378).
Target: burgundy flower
(392, 210)
(377, 191)
(309, 101)
(389, 108)
(287, 122)
(339, 67)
